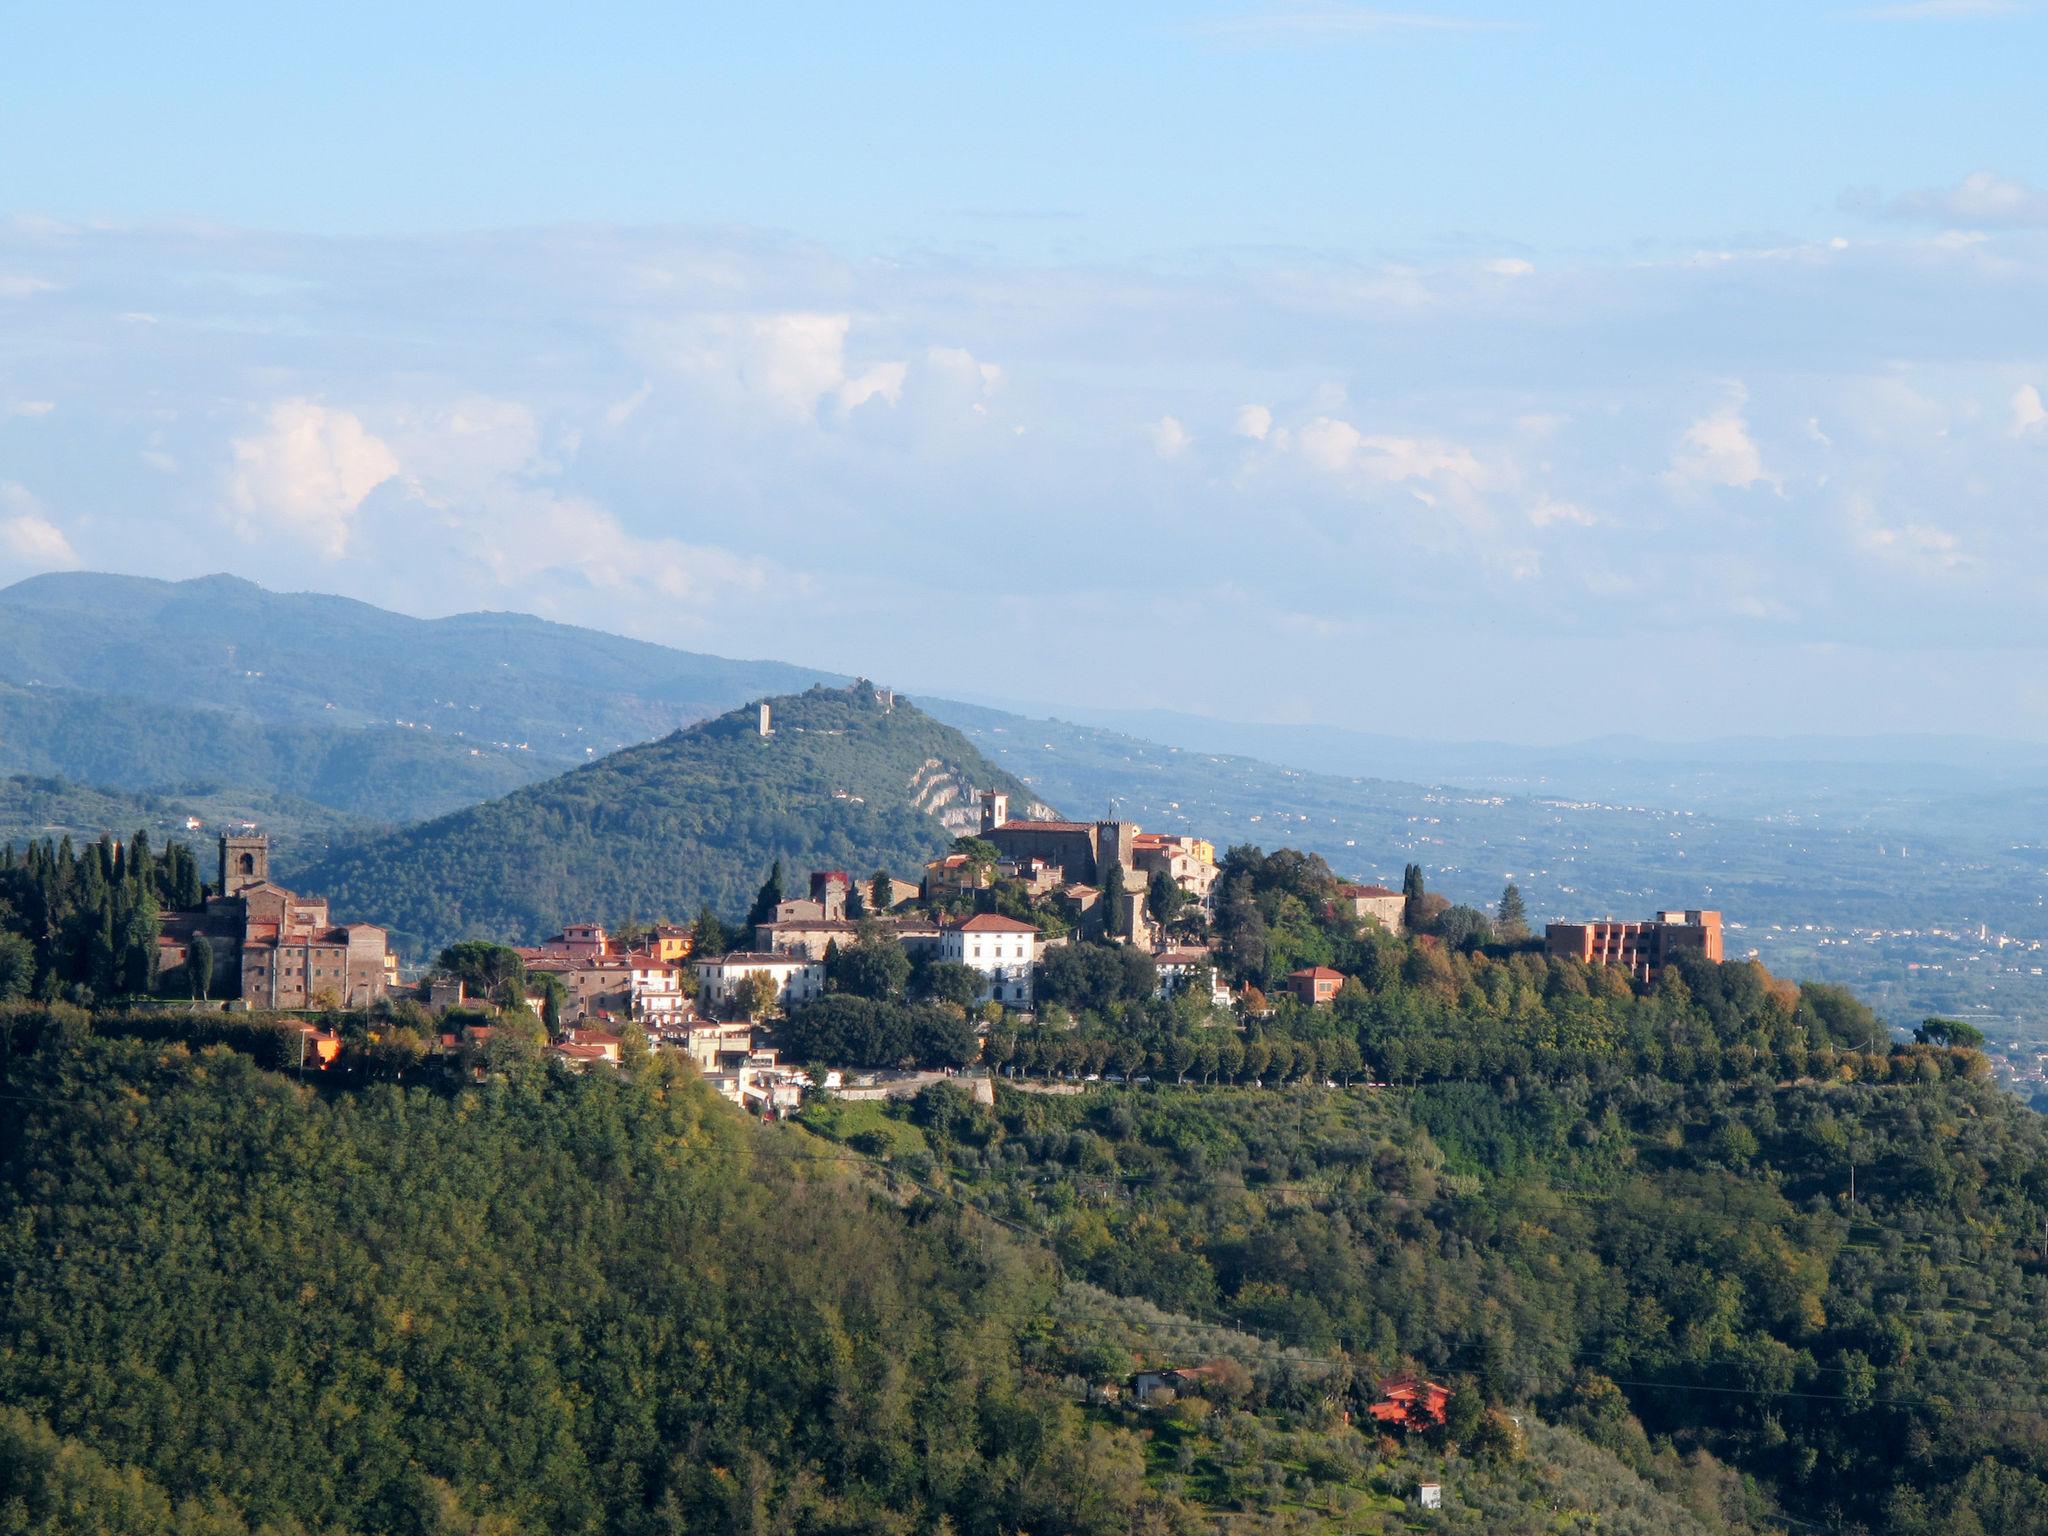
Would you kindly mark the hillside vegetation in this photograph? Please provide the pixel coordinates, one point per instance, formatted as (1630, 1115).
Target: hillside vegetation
(666, 827)
(542, 1303)
(33, 808)
(574, 1306)
(1675, 1269)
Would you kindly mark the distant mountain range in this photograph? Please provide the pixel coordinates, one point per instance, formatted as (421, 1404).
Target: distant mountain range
(340, 726)
(372, 719)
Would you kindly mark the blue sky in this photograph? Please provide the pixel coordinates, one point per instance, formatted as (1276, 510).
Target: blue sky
(1375, 366)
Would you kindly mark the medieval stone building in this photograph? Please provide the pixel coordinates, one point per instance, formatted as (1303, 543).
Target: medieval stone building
(275, 949)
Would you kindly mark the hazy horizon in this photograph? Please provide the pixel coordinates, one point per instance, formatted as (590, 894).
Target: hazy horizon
(1452, 371)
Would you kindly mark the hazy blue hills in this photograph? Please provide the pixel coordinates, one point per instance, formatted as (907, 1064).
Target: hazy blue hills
(220, 642)
(379, 774)
(34, 808)
(332, 713)
(661, 829)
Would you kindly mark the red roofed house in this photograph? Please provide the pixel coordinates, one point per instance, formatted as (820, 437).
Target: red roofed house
(604, 1042)
(1387, 908)
(1316, 986)
(1411, 1403)
(1002, 948)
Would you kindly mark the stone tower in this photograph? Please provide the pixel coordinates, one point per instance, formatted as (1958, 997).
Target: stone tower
(995, 809)
(244, 861)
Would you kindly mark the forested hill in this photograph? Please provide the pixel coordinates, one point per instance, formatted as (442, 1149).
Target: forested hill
(232, 1304)
(846, 781)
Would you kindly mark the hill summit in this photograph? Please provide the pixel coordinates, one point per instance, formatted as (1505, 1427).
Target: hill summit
(848, 778)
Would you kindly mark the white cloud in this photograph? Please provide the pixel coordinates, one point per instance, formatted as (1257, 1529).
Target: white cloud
(1338, 447)
(1510, 266)
(1253, 421)
(530, 538)
(305, 474)
(2028, 413)
(1169, 438)
(1980, 199)
(555, 433)
(793, 367)
(1549, 510)
(618, 414)
(31, 407)
(18, 286)
(1718, 450)
(27, 536)
(884, 381)
(1920, 548)
(965, 373)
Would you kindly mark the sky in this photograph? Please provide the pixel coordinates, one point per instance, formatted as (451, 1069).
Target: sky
(1501, 371)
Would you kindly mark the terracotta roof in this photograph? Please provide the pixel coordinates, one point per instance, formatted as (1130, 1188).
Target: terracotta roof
(758, 957)
(994, 922)
(1365, 890)
(1037, 826)
(1183, 957)
(1315, 973)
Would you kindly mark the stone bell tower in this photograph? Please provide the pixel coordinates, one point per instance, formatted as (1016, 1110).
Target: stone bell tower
(244, 861)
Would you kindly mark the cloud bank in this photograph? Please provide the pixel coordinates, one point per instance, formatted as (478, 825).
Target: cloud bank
(1780, 456)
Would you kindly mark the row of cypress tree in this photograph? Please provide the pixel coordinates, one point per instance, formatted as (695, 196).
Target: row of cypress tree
(81, 924)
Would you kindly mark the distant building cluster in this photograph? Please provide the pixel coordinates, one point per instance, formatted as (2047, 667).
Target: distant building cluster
(275, 949)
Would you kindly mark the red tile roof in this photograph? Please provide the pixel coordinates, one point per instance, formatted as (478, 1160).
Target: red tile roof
(993, 922)
(1315, 973)
(1365, 890)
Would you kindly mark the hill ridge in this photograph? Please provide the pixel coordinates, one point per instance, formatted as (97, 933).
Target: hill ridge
(844, 781)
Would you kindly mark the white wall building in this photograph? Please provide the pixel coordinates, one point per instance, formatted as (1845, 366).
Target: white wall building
(1181, 968)
(657, 989)
(798, 978)
(1003, 949)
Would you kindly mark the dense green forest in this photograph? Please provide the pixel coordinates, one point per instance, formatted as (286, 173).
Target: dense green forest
(231, 1303)
(1671, 1267)
(664, 828)
(33, 809)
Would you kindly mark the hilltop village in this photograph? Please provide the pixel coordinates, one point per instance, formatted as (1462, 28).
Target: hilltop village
(875, 983)
(1593, 1159)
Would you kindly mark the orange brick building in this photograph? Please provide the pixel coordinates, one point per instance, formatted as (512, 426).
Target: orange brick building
(1642, 949)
